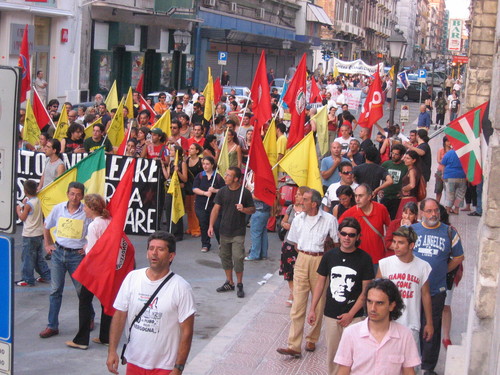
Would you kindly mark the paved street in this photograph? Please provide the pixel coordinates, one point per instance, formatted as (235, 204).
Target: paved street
(232, 335)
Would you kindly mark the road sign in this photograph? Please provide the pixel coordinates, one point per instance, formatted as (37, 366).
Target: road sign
(222, 59)
(9, 112)
(422, 75)
(6, 306)
(404, 115)
(326, 57)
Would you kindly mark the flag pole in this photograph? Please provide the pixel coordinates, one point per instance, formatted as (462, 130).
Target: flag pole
(171, 210)
(212, 185)
(280, 103)
(104, 140)
(244, 179)
(45, 109)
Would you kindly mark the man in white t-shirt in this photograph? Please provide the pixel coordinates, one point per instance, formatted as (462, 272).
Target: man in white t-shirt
(411, 276)
(160, 341)
(345, 138)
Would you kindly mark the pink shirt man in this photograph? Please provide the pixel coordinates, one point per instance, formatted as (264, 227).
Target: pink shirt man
(359, 350)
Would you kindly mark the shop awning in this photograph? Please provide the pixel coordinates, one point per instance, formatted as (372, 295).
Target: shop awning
(315, 13)
(43, 11)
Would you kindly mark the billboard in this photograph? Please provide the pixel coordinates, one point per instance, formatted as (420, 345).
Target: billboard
(455, 35)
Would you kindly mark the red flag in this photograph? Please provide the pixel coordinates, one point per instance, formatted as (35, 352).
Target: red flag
(264, 185)
(103, 269)
(217, 91)
(373, 107)
(140, 84)
(123, 146)
(40, 112)
(295, 97)
(24, 64)
(464, 134)
(315, 93)
(260, 95)
(143, 104)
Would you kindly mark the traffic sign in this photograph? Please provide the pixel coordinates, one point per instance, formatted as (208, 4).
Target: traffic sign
(404, 115)
(326, 57)
(422, 75)
(222, 58)
(6, 307)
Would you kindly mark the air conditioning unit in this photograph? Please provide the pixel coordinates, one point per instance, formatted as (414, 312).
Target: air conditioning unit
(260, 13)
(209, 3)
(234, 7)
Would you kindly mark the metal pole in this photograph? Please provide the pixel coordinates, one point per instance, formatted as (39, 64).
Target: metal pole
(393, 89)
(432, 87)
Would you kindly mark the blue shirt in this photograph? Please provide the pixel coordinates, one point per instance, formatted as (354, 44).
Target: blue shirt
(437, 246)
(326, 164)
(77, 223)
(452, 166)
(424, 120)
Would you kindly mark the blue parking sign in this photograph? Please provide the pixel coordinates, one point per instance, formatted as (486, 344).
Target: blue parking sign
(6, 304)
(222, 58)
(422, 75)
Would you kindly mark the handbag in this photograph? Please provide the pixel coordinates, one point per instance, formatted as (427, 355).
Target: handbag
(137, 317)
(422, 189)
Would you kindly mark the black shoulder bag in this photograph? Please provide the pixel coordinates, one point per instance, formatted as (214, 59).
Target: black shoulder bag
(137, 317)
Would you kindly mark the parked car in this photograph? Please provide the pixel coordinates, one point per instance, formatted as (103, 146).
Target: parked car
(412, 93)
(439, 78)
(238, 90)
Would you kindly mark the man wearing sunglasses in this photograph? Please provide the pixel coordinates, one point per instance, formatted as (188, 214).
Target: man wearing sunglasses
(330, 199)
(345, 271)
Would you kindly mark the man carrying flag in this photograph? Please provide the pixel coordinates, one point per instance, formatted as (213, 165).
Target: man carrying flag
(70, 223)
(295, 97)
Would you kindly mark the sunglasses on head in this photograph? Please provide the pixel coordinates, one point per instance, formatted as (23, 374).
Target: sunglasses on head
(350, 235)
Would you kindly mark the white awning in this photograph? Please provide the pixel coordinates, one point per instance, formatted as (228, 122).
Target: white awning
(44, 11)
(315, 13)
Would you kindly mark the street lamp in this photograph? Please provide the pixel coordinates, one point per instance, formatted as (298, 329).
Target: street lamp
(397, 49)
(433, 55)
(181, 41)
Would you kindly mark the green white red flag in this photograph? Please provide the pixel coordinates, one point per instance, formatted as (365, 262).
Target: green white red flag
(464, 134)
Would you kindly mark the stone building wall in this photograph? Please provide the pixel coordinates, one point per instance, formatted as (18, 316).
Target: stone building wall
(482, 339)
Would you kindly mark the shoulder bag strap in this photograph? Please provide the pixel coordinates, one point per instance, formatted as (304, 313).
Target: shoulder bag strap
(148, 303)
(374, 229)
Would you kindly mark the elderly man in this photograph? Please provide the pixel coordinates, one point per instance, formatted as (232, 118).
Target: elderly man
(440, 246)
(424, 118)
(309, 232)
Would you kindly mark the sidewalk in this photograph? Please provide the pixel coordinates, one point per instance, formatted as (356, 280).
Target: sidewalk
(248, 343)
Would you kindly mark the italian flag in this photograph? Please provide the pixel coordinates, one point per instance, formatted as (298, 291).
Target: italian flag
(464, 134)
(90, 171)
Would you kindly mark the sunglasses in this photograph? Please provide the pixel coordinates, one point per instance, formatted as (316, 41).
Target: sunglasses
(350, 235)
(347, 173)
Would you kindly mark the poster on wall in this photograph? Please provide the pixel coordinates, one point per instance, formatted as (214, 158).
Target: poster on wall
(105, 72)
(137, 68)
(166, 71)
(146, 199)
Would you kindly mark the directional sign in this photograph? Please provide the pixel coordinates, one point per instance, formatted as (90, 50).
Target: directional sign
(422, 75)
(6, 305)
(327, 57)
(222, 59)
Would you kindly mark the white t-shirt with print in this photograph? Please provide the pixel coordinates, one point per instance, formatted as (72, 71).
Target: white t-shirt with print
(154, 339)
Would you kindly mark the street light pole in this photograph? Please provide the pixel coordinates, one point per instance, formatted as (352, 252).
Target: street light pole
(433, 55)
(393, 89)
(397, 49)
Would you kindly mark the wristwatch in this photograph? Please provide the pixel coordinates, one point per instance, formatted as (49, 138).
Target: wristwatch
(179, 367)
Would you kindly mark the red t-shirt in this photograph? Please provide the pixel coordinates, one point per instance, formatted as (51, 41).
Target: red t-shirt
(371, 242)
(191, 140)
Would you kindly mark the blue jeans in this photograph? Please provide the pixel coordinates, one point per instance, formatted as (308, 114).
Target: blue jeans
(453, 116)
(258, 234)
(62, 261)
(33, 260)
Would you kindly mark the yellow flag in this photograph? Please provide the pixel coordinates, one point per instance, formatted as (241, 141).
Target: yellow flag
(164, 123)
(90, 128)
(116, 130)
(391, 73)
(62, 125)
(31, 131)
(335, 71)
(301, 164)
(208, 93)
(175, 189)
(271, 147)
(321, 119)
(112, 98)
(223, 162)
(129, 103)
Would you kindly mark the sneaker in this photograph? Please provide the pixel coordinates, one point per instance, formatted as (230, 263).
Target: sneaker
(204, 249)
(240, 293)
(226, 287)
(251, 259)
(23, 283)
(42, 280)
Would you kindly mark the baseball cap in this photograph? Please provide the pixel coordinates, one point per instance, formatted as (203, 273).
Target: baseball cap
(156, 131)
(406, 232)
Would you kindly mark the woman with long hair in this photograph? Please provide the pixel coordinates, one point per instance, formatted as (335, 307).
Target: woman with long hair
(210, 147)
(141, 148)
(74, 139)
(411, 181)
(233, 149)
(409, 217)
(194, 167)
(346, 200)
(205, 186)
(177, 229)
(288, 250)
(95, 209)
